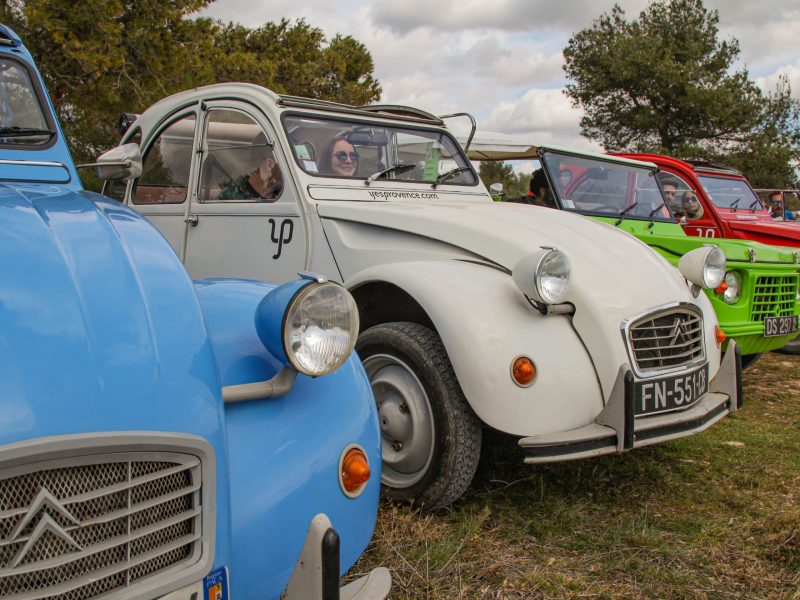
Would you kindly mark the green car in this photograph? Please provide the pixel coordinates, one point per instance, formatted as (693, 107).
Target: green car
(757, 305)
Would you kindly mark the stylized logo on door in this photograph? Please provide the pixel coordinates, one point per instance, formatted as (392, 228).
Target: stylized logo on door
(44, 523)
(284, 234)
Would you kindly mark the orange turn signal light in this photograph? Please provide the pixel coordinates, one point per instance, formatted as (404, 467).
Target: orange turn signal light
(523, 371)
(354, 471)
(720, 289)
(719, 335)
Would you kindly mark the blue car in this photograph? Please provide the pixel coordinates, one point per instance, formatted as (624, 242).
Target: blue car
(161, 438)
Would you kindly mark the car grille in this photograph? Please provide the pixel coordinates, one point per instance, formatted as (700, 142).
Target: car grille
(666, 340)
(774, 297)
(85, 526)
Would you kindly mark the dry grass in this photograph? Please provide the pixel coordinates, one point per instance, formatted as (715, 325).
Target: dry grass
(712, 516)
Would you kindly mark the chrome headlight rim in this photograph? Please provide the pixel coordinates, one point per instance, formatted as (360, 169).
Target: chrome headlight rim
(714, 268)
(733, 280)
(294, 305)
(529, 274)
(551, 256)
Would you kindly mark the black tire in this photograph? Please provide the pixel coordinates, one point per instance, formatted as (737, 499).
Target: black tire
(749, 359)
(408, 367)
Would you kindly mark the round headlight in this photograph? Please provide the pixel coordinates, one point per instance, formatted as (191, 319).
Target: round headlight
(320, 328)
(734, 283)
(544, 275)
(552, 277)
(714, 268)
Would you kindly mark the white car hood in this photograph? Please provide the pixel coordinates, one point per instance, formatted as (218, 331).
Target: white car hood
(614, 276)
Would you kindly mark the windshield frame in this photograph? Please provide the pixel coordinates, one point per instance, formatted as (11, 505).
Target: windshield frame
(660, 218)
(44, 107)
(356, 121)
(761, 208)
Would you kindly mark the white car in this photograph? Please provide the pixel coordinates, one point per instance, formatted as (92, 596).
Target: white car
(566, 333)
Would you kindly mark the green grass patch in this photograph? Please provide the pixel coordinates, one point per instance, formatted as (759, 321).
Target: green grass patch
(716, 515)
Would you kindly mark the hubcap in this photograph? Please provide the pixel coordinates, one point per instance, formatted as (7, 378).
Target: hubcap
(406, 420)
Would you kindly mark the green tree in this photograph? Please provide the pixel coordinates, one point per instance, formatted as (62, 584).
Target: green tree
(665, 82)
(294, 58)
(106, 57)
(499, 172)
(770, 157)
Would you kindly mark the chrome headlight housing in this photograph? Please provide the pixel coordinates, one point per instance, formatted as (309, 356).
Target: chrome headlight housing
(544, 275)
(733, 281)
(704, 266)
(312, 325)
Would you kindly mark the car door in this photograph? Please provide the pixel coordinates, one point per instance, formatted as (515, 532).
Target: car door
(700, 223)
(244, 220)
(161, 192)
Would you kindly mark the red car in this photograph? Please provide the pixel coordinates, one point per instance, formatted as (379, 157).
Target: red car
(728, 207)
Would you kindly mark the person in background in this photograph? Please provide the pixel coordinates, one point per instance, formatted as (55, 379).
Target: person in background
(263, 183)
(539, 191)
(340, 158)
(691, 205)
(775, 206)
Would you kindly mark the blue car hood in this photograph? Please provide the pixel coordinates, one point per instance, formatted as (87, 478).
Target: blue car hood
(100, 328)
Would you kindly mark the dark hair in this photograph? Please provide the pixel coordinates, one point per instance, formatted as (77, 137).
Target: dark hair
(326, 160)
(772, 196)
(538, 181)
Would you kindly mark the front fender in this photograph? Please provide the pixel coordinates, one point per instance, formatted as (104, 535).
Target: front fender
(284, 451)
(485, 322)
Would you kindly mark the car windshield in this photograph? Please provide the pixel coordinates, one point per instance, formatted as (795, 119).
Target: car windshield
(22, 120)
(606, 188)
(376, 152)
(735, 194)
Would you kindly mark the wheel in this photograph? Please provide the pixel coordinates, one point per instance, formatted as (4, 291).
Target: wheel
(749, 359)
(430, 438)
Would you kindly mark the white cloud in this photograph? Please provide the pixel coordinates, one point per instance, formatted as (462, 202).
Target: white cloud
(501, 60)
(546, 116)
(769, 82)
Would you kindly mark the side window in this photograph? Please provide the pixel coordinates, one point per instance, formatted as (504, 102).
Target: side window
(239, 165)
(680, 197)
(116, 189)
(165, 169)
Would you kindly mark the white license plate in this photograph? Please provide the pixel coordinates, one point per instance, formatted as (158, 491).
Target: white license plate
(670, 393)
(778, 326)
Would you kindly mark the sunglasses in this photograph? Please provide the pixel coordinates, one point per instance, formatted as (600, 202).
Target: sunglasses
(342, 156)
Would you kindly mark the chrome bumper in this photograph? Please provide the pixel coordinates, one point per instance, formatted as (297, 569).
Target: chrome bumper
(616, 429)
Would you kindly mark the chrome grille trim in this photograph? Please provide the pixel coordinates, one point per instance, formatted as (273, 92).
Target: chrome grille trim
(119, 515)
(668, 339)
(773, 296)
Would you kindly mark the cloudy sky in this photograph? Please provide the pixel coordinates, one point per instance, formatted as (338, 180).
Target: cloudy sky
(501, 59)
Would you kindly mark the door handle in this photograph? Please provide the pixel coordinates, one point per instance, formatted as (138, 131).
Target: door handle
(192, 220)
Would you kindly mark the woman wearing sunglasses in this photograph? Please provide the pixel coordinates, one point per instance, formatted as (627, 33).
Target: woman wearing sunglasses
(340, 158)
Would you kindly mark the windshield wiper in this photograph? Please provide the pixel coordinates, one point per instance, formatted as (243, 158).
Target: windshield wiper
(24, 132)
(398, 168)
(625, 211)
(753, 204)
(449, 175)
(734, 205)
(655, 210)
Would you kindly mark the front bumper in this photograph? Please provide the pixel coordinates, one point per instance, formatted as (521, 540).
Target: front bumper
(315, 575)
(616, 430)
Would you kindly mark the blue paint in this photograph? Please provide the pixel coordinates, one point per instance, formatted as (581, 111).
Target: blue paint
(101, 330)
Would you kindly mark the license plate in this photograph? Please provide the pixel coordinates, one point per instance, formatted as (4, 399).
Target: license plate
(777, 326)
(670, 393)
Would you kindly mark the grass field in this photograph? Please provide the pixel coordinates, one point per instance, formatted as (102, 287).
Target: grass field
(716, 515)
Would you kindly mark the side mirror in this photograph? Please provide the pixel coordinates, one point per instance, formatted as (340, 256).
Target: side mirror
(119, 164)
(496, 190)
